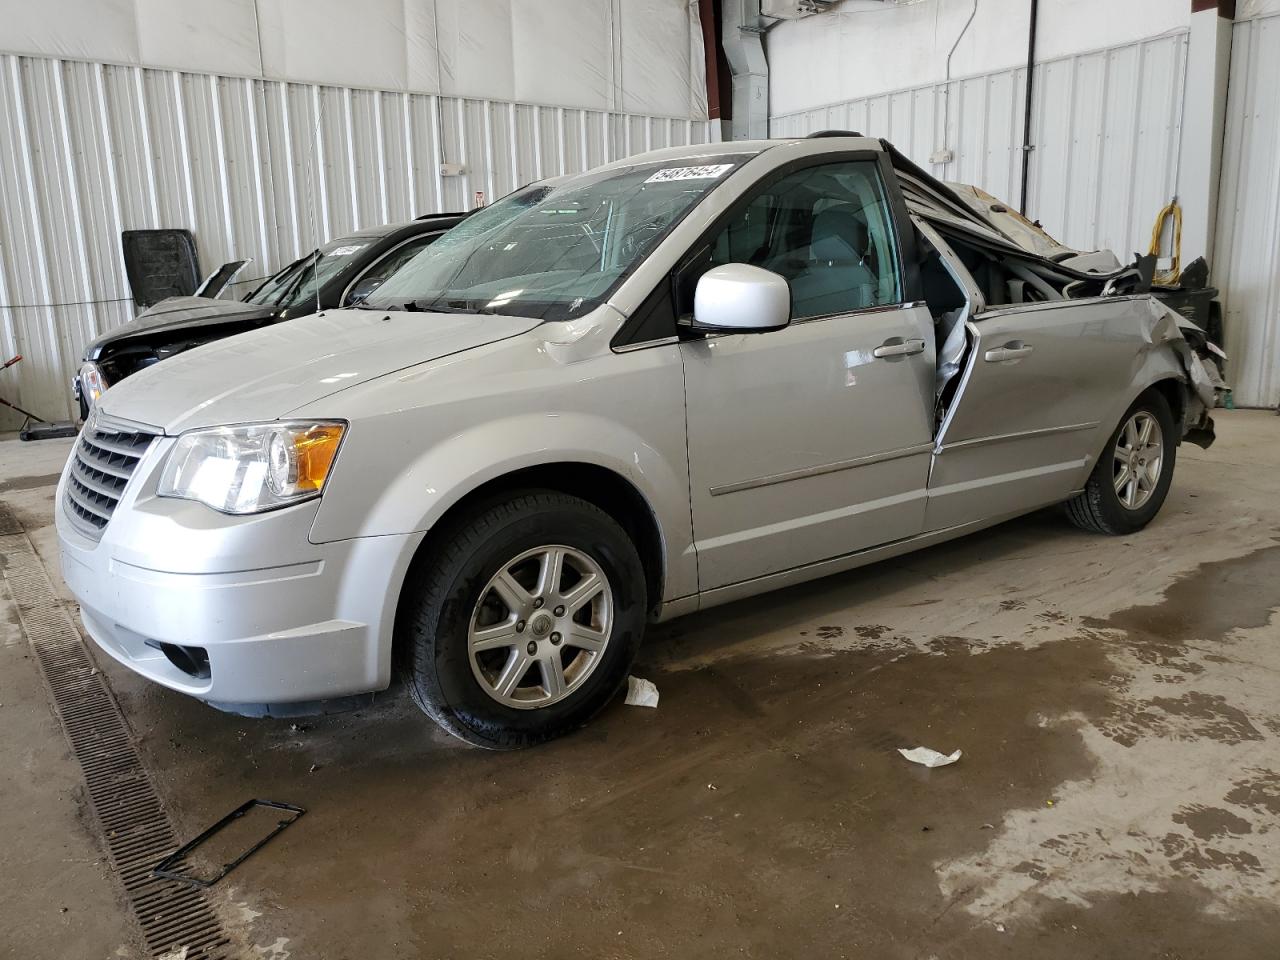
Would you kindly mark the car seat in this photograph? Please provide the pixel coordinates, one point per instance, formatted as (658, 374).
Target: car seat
(835, 277)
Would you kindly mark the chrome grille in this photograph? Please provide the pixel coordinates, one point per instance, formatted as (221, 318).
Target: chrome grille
(101, 465)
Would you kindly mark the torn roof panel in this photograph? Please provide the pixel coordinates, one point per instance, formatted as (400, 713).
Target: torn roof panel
(982, 217)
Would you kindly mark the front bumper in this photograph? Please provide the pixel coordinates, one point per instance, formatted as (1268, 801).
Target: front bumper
(278, 618)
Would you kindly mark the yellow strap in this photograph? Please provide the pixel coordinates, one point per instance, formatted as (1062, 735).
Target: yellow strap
(1171, 276)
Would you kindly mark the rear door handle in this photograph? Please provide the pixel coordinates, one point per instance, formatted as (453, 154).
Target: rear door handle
(1013, 350)
(897, 347)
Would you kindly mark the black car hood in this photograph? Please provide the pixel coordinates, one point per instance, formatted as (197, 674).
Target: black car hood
(180, 313)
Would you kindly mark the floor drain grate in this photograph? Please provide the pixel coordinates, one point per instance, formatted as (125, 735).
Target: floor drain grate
(176, 920)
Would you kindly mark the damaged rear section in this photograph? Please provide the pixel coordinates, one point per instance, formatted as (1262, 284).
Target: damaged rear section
(982, 264)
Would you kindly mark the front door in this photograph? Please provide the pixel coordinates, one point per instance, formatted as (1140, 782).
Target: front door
(814, 441)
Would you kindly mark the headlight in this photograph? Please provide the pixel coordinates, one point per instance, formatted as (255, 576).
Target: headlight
(92, 383)
(253, 468)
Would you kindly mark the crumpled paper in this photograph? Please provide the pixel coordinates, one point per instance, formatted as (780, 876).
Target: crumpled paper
(641, 693)
(928, 758)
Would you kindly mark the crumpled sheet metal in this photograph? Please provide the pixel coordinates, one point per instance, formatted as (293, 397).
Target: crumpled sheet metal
(1169, 326)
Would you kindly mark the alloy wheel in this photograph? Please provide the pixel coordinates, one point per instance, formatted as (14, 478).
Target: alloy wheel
(1139, 457)
(540, 627)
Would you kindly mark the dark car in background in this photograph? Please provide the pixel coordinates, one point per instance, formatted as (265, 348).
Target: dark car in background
(339, 274)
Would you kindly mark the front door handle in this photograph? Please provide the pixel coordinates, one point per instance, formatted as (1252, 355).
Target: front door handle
(897, 347)
(1013, 350)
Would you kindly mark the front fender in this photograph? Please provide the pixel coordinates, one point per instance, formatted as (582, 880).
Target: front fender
(431, 482)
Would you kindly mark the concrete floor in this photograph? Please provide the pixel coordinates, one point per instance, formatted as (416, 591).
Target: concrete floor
(1119, 795)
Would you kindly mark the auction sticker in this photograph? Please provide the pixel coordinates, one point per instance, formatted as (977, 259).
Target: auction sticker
(708, 172)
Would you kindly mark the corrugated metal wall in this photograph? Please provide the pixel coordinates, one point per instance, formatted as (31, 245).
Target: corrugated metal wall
(254, 168)
(1247, 257)
(1106, 128)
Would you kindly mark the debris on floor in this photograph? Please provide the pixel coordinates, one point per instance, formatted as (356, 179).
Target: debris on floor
(641, 693)
(929, 758)
(171, 867)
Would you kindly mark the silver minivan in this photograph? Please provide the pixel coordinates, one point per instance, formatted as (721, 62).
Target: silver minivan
(609, 399)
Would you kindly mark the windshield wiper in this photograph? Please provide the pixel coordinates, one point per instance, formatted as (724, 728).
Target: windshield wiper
(440, 305)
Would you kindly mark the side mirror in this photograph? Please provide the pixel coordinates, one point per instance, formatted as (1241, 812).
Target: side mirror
(739, 298)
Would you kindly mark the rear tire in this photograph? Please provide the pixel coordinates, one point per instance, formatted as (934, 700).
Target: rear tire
(483, 605)
(1131, 479)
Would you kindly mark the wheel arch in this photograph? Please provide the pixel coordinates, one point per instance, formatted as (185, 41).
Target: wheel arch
(1161, 372)
(598, 485)
(1174, 391)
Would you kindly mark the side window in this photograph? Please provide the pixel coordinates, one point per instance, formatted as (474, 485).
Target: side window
(827, 229)
(372, 278)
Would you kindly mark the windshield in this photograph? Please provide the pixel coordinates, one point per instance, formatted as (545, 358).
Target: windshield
(552, 251)
(299, 281)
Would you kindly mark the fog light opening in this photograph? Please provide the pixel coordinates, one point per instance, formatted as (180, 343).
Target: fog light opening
(193, 661)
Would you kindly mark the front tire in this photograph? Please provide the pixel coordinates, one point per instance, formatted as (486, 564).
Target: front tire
(1131, 479)
(524, 622)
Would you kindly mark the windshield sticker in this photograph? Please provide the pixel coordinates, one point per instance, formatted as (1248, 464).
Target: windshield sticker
(708, 172)
(347, 250)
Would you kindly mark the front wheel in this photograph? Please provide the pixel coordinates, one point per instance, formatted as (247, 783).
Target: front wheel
(525, 621)
(1131, 479)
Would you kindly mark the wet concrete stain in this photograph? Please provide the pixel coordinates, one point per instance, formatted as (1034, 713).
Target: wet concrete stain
(645, 816)
(1192, 858)
(1209, 822)
(1260, 791)
(29, 483)
(761, 808)
(9, 523)
(1053, 616)
(871, 631)
(949, 645)
(1201, 609)
(1207, 604)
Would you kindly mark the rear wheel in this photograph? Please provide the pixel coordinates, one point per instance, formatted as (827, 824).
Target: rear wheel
(524, 623)
(1131, 479)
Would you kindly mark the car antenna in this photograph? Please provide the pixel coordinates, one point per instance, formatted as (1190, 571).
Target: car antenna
(311, 193)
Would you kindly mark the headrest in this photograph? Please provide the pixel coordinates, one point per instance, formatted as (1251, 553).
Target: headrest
(838, 234)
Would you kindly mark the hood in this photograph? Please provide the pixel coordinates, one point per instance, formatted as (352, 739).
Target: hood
(266, 373)
(179, 313)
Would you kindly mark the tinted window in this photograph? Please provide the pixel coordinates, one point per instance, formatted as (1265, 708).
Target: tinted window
(828, 230)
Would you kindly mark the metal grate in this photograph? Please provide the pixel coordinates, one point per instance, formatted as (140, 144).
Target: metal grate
(175, 919)
(101, 464)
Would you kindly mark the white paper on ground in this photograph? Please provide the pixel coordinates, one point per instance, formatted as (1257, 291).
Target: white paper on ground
(641, 693)
(927, 757)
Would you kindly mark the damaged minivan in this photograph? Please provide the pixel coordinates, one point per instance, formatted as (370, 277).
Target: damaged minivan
(610, 399)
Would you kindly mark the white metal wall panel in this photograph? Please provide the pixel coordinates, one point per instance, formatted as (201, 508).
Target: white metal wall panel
(634, 56)
(1247, 261)
(1105, 127)
(253, 168)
